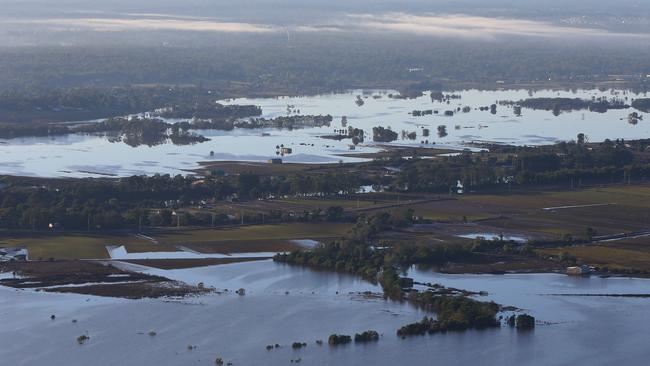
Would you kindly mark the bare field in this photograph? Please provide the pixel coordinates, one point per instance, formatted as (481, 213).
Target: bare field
(607, 256)
(91, 278)
(545, 216)
(297, 205)
(607, 210)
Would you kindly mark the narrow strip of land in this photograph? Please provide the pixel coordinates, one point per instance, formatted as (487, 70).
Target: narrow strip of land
(576, 206)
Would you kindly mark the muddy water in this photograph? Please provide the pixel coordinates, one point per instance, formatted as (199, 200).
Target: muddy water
(583, 330)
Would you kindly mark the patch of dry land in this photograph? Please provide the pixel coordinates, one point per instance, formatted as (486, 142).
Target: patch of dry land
(543, 216)
(91, 278)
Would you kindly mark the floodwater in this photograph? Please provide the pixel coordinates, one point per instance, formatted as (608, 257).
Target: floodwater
(85, 155)
(119, 252)
(285, 304)
(494, 236)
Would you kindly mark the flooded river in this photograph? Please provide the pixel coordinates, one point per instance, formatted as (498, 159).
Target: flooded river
(87, 155)
(285, 304)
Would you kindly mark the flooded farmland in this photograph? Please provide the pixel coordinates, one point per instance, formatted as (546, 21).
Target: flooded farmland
(80, 155)
(285, 304)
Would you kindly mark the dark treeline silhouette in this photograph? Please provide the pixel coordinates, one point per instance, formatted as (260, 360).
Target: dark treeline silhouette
(127, 202)
(141, 200)
(154, 131)
(558, 105)
(609, 161)
(316, 62)
(642, 104)
(85, 103)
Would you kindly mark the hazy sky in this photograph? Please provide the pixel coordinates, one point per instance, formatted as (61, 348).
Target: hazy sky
(64, 21)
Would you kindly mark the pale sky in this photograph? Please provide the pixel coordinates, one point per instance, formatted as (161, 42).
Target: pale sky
(38, 20)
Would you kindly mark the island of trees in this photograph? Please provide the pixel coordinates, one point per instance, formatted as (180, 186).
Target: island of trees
(381, 134)
(355, 254)
(642, 104)
(558, 105)
(138, 130)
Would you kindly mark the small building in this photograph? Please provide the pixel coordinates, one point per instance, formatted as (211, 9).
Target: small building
(578, 270)
(275, 161)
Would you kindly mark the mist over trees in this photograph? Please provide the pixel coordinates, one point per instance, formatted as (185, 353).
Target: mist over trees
(318, 46)
(315, 63)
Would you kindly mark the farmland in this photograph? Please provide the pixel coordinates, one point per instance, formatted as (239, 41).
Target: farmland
(260, 238)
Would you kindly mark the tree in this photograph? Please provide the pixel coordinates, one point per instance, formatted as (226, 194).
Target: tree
(590, 233)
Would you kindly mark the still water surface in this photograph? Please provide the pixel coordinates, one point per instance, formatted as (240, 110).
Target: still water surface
(582, 330)
(85, 155)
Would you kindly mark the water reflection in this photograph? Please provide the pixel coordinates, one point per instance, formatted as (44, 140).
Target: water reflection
(595, 331)
(58, 155)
